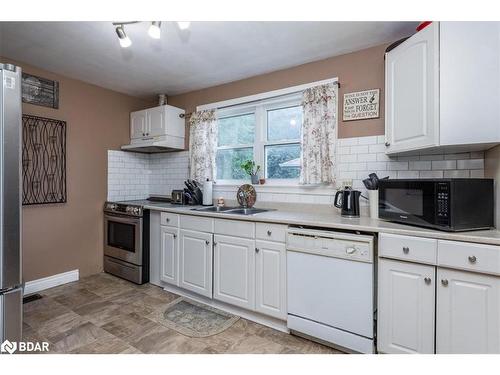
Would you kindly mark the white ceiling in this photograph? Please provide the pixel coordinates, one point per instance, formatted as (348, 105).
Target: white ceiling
(208, 54)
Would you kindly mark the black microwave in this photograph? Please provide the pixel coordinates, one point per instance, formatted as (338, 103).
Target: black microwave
(454, 204)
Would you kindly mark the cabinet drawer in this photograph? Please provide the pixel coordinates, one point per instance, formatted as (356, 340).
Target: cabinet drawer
(199, 224)
(270, 232)
(415, 249)
(469, 256)
(167, 218)
(235, 228)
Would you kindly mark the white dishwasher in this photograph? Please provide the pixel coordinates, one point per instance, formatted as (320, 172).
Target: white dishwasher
(330, 287)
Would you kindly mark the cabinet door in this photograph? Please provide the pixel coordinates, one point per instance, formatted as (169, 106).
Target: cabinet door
(468, 312)
(137, 124)
(234, 271)
(169, 255)
(195, 261)
(406, 302)
(156, 121)
(412, 92)
(270, 278)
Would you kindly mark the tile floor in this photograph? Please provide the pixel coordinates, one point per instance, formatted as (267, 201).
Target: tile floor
(104, 314)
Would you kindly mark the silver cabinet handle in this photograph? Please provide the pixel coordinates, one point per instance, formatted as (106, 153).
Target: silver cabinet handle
(269, 232)
(427, 280)
(143, 134)
(257, 249)
(175, 236)
(406, 250)
(444, 282)
(207, 242)
(472, 259)
(387, 144)
(215, 243)
(168, 220)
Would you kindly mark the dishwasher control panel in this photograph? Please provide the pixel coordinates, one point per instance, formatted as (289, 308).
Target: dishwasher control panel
(331, 244)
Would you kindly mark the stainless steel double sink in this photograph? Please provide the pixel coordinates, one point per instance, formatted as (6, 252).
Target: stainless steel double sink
(232, 210)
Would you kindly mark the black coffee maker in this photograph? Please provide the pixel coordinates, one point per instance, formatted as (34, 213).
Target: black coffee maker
(348, 201)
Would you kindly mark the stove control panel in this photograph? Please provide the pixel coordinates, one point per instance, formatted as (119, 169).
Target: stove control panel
(123, 208)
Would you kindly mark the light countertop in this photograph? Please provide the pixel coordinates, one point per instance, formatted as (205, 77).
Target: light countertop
(335, 221)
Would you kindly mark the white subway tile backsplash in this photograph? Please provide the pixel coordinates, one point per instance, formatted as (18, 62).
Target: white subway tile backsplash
(367, 157)
(464, 173)
(136, 176)
(407, 174)
(477, 173)
(470, 164)
(359, 149)
(444, 164)
(397, 165)
(431, 174)
(420, 165)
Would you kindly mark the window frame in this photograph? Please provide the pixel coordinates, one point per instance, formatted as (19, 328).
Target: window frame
(260, 109)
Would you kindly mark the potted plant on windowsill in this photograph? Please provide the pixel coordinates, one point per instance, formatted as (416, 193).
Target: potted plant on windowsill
(252, 170)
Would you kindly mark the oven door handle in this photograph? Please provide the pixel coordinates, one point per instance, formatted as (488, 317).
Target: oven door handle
(123, 219)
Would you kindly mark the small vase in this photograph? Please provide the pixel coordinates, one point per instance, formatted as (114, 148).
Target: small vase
(255, 179)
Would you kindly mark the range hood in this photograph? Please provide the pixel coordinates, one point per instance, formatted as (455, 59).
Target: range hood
(155, 145)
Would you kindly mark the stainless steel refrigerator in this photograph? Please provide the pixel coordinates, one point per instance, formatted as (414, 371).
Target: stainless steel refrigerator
(11, 290)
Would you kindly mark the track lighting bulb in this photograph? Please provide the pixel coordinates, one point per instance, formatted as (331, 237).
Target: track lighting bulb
(183, 25)
(154, 30)
(124, 39)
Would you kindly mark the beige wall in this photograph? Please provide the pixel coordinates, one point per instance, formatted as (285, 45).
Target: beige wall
(492, 170)
(356, 71)
(63, 237)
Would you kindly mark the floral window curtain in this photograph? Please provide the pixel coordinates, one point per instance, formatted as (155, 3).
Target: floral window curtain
(319, 134)
(202, 145)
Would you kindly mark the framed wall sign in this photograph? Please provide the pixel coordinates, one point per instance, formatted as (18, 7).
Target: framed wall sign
(362, 105)
(40, 91)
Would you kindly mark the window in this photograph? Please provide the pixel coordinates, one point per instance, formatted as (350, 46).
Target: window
(268, 132)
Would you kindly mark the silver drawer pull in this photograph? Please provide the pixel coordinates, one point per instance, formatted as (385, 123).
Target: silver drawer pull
(269, 232)
(175, 236)
(207, 242)
(168, 220)
(427, 280)
(406, 250)
(444, 282)
(472, 259)
(257, 249)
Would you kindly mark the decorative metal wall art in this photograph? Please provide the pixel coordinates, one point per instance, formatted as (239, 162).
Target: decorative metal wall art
(40, 91)
(43, 160)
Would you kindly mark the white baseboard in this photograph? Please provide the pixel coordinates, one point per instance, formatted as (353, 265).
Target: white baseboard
(35, 286)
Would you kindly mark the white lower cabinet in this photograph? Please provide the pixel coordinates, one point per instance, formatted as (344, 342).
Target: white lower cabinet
(195, 261)
(468, 312)
(169, 253)
(406, 305)
(234, 271)
(270, 279)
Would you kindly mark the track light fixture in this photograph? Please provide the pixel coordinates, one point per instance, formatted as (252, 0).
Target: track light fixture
(183, 25)
(123, 38)
(154, 30)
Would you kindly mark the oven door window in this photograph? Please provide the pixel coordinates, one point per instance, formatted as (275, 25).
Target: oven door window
(121, 235)
(404, 199)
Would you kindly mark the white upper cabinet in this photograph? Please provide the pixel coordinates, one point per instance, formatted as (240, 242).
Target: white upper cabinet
(442, 88)
(138, 124)
(468, 313)
(156, 129)
(412, 90)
